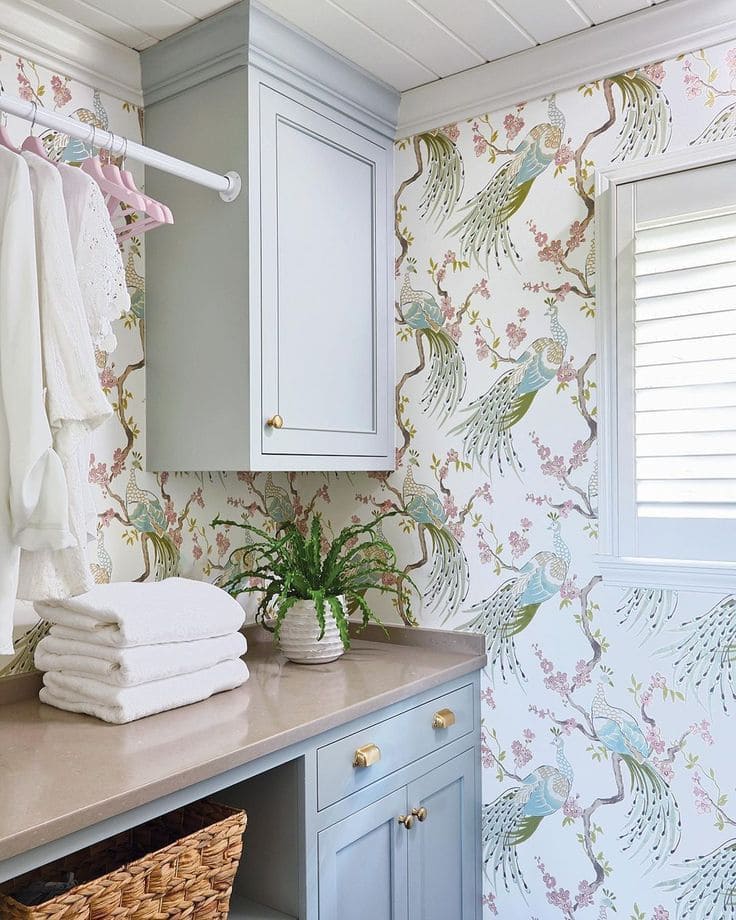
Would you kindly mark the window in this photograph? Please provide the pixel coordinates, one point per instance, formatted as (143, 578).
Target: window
(667, 344)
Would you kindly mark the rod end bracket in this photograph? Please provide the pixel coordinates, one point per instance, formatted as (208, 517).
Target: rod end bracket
(233, 189)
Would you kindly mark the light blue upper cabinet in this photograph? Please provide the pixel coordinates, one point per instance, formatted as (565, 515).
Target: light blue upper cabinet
(269, 321)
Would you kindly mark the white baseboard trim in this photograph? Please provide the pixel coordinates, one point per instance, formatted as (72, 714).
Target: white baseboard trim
(30, 30)
(653, 34)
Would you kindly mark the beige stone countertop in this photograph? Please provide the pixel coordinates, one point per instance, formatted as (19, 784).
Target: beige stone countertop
(60, 772)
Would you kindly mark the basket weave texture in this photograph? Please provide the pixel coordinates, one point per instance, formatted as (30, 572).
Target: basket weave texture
(180, 866)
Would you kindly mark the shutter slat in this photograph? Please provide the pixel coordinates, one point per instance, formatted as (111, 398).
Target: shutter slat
(681, 232)
(712, 467)
(692, 255)
(685, 510)
(688, 396)
(704, 443)
(686, 279)
(686, 303)
(681, 350)
(694, 372)
(686, 327)
(702, 491)
(686, 421)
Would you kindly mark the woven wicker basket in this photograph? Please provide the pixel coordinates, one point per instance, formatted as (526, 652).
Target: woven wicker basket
(180, 866)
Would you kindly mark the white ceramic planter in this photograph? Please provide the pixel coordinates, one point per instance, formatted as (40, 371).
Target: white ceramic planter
(300, 633)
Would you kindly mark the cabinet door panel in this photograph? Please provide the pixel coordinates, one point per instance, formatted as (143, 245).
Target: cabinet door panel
(324, 300)
(442, 848)
(363, 864)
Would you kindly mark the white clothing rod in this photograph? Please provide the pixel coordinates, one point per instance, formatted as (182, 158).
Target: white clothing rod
(228, 185)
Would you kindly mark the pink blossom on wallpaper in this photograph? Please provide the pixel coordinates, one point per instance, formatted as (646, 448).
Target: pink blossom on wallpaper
(170, 512)
(658, 681)
(585, 894)
(25, 91)
(522, 313)
(458, 532)
(452, 131)
(118, 462)
(557, 897)
(482, 348)
(665, 768)
(552, 253)
(702, 729)
(515, 334)
(450, 505)
(582, 673)
(198, 497)
(107, 516)
(703, 804)
(454, 331)
(486, 755)
(540, 238)
(543, 452)
(448, 311)
(565, 154)
(197, 551)
(481, 288)
(480, 144)
(522, 754)
(694, 86)
(563, 290)
(572, 808)
(556, 468)
(176, 538)
(577, 235)
(489, 901)
(731, 61)
(487, 697)
(108, 380)
(518, 543)
(569, 591)
(566, 372)
(97, 472)
(223, 544)
(512, 125)
(484, 551)
(163, 478)
(655, 72)
(654, 737)
(579, 455)
(61, 91)
(660, 913)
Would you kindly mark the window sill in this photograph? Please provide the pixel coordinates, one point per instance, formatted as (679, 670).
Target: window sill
(672, 574)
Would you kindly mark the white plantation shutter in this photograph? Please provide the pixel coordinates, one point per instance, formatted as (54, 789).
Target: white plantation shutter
(684, 366)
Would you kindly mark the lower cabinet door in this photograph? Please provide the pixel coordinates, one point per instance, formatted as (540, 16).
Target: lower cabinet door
(363, 864)
(443, 859)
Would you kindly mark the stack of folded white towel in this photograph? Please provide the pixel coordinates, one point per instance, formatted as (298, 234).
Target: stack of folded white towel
(127, 650)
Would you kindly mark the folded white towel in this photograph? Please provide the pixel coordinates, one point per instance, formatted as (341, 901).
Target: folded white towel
(127, 667)
(125, 704)
(130, 613)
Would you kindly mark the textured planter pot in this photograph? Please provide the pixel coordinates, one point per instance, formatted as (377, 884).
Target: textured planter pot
(300, 632)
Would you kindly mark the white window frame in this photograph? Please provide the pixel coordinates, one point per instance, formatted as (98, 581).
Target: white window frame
(617, 569)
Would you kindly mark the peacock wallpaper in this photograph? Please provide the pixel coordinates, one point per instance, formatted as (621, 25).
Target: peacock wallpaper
(608, 752)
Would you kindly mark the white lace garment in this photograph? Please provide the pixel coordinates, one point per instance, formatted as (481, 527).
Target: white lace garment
(75, 401)
(34, 512)
(97, 255)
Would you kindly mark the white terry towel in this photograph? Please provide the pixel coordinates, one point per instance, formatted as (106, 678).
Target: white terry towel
(127, 613)
(127, 667)
(125, 704)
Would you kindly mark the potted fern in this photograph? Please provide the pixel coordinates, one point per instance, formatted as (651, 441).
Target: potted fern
(308, 592)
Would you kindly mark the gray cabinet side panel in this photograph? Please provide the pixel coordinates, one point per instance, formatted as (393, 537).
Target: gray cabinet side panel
(197, 343)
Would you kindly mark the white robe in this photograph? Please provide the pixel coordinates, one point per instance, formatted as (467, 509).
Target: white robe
(33, 494)
(75, 401)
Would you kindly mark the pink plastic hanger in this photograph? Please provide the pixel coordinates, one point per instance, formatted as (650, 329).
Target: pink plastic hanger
(35, 144)
(129, 181)
(155, 213)
(151, 208)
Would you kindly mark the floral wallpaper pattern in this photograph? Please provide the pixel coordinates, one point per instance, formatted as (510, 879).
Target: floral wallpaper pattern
(608, 785)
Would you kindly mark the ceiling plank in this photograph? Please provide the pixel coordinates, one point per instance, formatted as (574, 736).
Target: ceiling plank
(111, 26)
(155, 17)
(342, 32)
(603, 10)
(416, 31)
(480, 24)
(545, 20)
(201, 9)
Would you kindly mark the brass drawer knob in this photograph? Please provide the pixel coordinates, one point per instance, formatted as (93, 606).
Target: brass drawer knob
(367, 755)
(406, 820)
(275, 422)
(443, 718)
(421, 813)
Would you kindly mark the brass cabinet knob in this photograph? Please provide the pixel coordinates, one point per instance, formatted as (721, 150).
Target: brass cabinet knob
(275, 422)
(406, 820)
(421, 813)
(443, 718)
(367, 755)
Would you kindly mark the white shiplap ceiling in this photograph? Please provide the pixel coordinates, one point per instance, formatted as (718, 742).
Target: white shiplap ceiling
(406, 43)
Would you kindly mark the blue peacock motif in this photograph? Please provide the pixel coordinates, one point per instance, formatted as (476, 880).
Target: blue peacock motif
(487, 427)
(653, 819)
(510, 610)
(485, 227)
(517, 813)
(446, 381)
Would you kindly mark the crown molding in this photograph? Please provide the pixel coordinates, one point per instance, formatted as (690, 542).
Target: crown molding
(653, 34)
(30, 30)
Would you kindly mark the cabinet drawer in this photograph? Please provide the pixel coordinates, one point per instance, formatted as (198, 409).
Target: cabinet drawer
(399, 741)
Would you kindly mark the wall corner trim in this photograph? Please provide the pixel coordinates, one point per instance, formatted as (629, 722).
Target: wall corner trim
(653, 34)
(30, 30)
